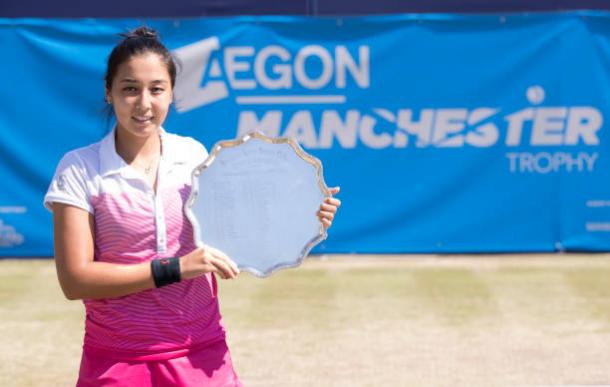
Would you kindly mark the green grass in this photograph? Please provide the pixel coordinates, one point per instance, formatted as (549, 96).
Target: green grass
(364, 321)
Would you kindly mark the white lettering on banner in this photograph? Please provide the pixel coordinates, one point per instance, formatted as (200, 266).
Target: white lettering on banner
(13, 209)
(310, 75)
(203, 80)
(211, 72)
(327, 65)
(342, 63)
(300, 126)
(550, 126)
(456, 127)
(428, 127)
(343, 130)
(545, 162)
(9, 237)
(598, 226)
(284, 81)
(301, 129)
(598, 209)
(597, 203)
(369, 137)
(360, 71)
(234, 66)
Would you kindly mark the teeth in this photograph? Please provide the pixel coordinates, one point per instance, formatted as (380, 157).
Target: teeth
(142, 119)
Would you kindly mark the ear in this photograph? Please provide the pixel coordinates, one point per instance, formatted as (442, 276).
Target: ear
(108, 97)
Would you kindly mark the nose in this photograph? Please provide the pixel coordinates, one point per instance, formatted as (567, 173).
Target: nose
(143, 103)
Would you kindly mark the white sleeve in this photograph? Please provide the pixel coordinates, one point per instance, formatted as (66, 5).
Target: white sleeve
(199, 152)
(69, 184)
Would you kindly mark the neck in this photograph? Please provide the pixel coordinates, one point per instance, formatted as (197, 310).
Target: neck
(131, 147)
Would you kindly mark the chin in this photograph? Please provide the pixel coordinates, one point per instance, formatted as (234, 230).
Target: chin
(141, 130)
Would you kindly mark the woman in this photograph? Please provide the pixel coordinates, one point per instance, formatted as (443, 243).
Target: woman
(125, 247)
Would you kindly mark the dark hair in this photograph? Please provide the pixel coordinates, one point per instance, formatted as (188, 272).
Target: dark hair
(137, 42)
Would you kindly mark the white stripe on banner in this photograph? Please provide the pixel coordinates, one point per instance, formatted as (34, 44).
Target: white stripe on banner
(290, 99)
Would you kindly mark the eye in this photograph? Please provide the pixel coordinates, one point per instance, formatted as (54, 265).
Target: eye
(130, 89)
(157, 90)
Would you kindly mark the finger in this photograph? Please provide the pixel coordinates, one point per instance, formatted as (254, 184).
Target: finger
(326, 215)
(326, 223)
(231, 265)
(211, 261)
(210, 265)
(332, 201)
(224, 265)
(223, 269)
(334, 190)
(328, 208)
(222, 256)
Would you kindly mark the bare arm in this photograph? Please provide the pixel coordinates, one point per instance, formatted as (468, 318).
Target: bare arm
(81, 277)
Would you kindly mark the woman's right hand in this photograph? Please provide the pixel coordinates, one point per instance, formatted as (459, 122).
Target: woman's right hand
(207, 259)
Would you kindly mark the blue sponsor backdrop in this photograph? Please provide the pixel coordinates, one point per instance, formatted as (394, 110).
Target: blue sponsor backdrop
(446, 133)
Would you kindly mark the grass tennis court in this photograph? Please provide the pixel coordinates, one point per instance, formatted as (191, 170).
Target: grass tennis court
(362, 321)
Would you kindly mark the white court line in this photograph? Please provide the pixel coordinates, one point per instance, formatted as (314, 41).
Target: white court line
(289, 99)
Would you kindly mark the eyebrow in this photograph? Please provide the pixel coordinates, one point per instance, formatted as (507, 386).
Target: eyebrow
(131, 80)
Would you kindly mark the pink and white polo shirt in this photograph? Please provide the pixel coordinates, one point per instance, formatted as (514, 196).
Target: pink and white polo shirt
(132, 224)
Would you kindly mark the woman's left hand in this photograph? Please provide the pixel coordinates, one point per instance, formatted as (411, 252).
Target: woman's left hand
(328, 208)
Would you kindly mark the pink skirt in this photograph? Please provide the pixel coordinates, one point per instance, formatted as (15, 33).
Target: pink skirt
(207, 366)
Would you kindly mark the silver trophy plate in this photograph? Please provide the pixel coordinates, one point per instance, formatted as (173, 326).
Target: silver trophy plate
(255, 198)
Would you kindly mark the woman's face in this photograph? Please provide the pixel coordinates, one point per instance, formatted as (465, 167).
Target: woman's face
(140, 94)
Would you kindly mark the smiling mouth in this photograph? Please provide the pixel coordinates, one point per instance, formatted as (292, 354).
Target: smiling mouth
(142, 119)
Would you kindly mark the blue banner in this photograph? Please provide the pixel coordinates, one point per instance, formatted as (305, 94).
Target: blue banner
(446, 133)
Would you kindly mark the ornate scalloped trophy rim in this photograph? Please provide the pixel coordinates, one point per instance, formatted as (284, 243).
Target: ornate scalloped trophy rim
(320, 236)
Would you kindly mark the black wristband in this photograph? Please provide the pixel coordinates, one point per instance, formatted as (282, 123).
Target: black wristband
(165, 271)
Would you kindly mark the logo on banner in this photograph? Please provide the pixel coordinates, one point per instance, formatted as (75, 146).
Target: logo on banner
(208, 73)
(9, 237)
(295, 94)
